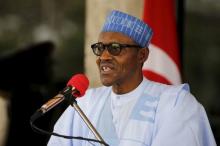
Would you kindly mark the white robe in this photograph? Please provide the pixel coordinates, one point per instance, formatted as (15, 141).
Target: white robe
(151, 115)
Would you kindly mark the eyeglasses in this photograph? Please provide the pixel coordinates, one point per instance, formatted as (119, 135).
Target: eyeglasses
(113, 48)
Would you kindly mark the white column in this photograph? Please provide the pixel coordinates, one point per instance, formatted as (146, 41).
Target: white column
(3, 120)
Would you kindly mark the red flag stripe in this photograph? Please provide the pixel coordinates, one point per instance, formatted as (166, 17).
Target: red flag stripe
(163, 59)
(159, 14)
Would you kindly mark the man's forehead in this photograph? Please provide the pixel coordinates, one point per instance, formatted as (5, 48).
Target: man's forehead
(114, 37)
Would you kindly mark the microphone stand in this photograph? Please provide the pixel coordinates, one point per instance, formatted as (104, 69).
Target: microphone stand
(74, 104)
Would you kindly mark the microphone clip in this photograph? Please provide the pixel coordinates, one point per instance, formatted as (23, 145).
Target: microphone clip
(68, 93)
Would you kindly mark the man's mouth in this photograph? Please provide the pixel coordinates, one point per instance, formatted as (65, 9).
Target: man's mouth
(105, 68)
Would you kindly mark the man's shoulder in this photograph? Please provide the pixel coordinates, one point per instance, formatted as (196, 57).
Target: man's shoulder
(172, 97)
(175, 95)
(177, 102)
(160, 89)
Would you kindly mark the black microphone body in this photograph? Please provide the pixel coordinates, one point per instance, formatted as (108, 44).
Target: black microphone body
(66, 92)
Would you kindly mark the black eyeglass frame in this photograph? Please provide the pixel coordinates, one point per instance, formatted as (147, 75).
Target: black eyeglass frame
(110, 48)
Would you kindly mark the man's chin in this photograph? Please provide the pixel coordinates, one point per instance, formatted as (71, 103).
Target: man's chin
(106, 82)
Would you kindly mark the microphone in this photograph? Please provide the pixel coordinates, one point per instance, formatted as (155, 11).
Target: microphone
(76, 86)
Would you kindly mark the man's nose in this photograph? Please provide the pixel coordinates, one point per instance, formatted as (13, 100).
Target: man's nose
(105, 55)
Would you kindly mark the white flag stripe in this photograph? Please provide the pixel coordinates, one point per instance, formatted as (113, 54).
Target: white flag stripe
(160, 63)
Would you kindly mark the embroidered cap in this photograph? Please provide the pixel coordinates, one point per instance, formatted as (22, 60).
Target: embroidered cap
(130, 26)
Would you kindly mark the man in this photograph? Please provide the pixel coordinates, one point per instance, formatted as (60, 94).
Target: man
(130, 110)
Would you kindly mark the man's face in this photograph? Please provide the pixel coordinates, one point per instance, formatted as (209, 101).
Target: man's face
(120, 69)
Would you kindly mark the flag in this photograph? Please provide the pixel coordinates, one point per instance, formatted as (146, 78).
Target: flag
(163, 63)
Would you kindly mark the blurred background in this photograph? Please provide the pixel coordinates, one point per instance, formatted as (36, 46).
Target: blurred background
(44, 42)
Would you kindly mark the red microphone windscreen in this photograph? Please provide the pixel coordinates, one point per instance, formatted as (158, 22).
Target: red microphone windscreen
(80, 82)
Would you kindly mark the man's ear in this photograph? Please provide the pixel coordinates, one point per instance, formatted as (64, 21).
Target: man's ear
(143, 54)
